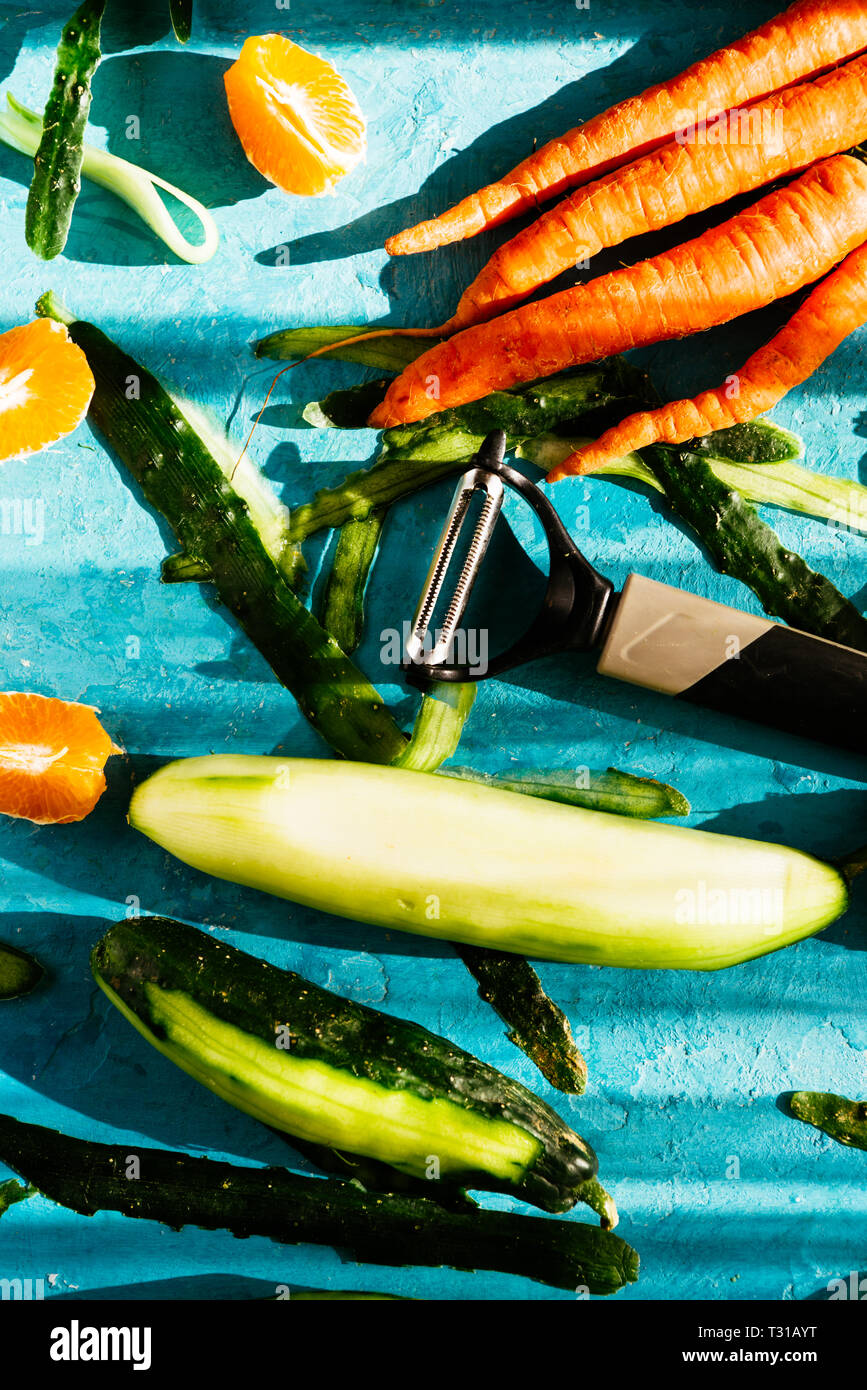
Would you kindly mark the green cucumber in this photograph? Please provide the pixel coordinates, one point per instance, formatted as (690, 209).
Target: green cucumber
(181, 1190)
(446, 858)
(335, 1072)
(842, 1119)
(57, 163)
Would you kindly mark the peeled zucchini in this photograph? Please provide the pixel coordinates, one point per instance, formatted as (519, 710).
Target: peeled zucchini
(470, 863)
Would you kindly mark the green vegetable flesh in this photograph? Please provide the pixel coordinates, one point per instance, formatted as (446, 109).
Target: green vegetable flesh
(180, 1190)
(619, 792)
(445, 858)
(57, 163)
(332, 1071)
(342, 612)
(182, 19)
(181, 478)
(536, 1024)
(842, 1119)
(741, 544)
(19, 973)
(438, 727)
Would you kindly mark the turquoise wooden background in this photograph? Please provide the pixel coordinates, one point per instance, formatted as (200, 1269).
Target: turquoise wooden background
(685, 1068)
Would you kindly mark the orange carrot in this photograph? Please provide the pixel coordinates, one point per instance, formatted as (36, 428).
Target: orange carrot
(828, 315)
(789, 239)
(807, 38)
(786, 132)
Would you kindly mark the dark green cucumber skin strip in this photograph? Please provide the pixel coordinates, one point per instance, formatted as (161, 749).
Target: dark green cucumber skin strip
(19, 972)
(389, 353)
(415, 456)
(57, 164)
(754, 442)
(363, 491)
(743, 545)
(12, 1192)
(536, 1024)
(180, 1190)
(179, 477)
(840, 1118)
(182, 19)
(619, 793)
(342, 613)
(261, 999)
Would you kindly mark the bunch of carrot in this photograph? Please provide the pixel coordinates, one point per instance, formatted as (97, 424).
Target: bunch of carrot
(646, 163)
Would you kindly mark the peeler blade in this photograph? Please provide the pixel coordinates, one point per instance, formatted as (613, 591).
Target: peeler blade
(478, 478)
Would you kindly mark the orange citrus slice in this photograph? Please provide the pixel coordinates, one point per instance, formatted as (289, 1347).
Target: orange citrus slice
(45, 387)
(52, 755)
(297, 119)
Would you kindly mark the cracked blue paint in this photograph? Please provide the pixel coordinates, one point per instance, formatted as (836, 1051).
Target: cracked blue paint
(684, 1069)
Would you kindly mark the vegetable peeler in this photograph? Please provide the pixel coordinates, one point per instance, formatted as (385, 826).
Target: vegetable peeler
(649, 634)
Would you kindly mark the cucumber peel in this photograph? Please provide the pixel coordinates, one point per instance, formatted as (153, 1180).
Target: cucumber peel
(743, 545)
(618, 792)
(57, 163)
(181, 12)
(342, 612)
(842, 1119)
(537, 1025)
(180, 1190)
(388, 353)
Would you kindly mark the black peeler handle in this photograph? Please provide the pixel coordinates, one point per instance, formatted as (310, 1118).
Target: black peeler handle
(675, 642)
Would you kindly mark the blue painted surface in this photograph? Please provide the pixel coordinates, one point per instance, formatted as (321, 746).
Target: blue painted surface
(685, 1068)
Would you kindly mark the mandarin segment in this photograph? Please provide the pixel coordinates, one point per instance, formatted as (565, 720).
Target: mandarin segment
(297, 119)
(45, 387)
(52, 756)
